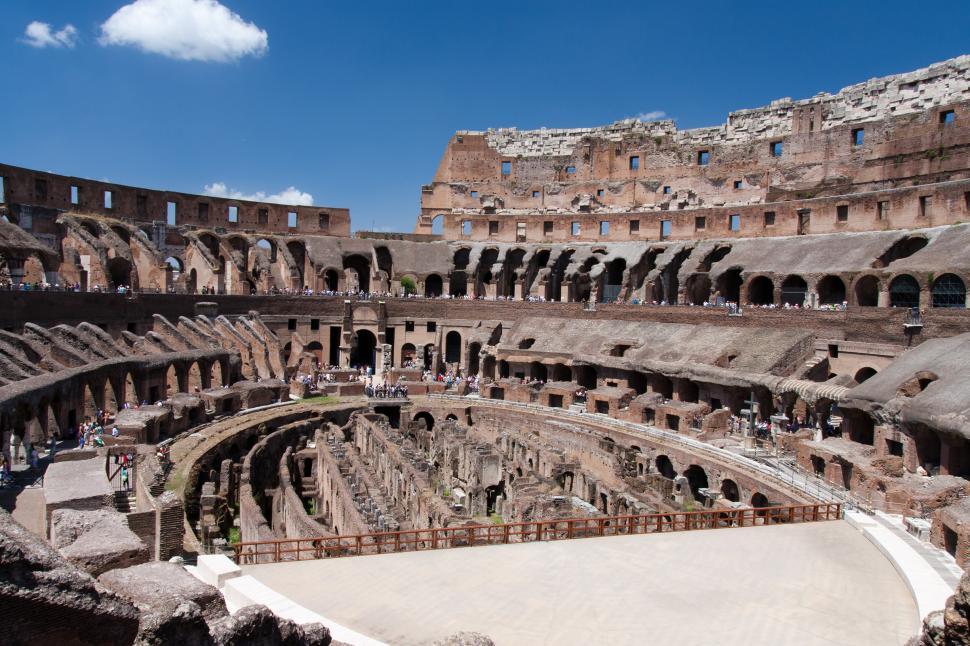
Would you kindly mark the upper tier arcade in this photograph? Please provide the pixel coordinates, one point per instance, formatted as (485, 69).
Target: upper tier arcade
(26, 193)
(887, 153)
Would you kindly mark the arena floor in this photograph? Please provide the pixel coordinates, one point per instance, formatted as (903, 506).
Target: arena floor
(818, 583)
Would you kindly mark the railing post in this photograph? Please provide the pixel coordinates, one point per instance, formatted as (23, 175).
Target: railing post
(277, 555)
(505, 537)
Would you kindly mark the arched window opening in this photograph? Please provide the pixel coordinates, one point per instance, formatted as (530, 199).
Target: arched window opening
(729, 285)
(831, 291)
(761, 291)
(949, 291)
(904, 291)
(432, 286)
(793, 291)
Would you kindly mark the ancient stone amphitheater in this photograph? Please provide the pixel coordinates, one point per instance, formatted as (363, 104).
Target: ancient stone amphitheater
(233, 422)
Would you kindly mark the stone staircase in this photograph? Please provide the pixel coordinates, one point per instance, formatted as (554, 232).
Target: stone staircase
(125, 501)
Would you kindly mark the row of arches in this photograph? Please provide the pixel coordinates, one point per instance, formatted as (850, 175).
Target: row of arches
(78, 400)
(697, 479)
(946, 291)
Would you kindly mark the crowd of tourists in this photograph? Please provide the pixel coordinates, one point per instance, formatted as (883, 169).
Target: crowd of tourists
(386, 391)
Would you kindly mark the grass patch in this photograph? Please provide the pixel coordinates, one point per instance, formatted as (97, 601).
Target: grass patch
(234, 535)
(497, 519)
(176, 482)
(320, 399)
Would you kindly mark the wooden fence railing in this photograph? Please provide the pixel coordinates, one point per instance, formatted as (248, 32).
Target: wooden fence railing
(300, 549)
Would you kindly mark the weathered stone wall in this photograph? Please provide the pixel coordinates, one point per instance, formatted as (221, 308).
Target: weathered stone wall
(147, 207)
(852, 149)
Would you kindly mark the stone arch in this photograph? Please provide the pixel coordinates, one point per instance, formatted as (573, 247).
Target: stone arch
(759, 500)
(433, 286)
(91, 228)
(268, 247)
(698, 289)
(453, 347)
(761, 291)
(173, 270)
(729, 285)
(408, 353)
(730, 490)
(331, 280)
(794, 290)
(119, 272)
(697, 479)
(864, 373)
(361, 267)
(949, 290)
(210, 242)
(363, 346)
(831, 290)
(316, 349)
(665, 467)
(428, 419)
(867, 291)
(904, 291)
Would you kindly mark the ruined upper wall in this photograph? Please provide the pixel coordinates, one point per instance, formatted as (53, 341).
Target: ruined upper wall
(777, 163)
(900, 94)
(24, 190)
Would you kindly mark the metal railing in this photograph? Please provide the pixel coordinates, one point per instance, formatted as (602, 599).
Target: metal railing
(302, 549)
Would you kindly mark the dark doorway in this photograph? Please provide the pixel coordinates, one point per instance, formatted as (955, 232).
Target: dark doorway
(362, 348)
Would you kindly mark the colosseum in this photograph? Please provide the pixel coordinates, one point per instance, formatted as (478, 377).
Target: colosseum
(227, 421)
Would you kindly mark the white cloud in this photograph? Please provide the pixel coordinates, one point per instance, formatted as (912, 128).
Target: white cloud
(290, 195)
(187, 30)
(653, 115)
(41, 34)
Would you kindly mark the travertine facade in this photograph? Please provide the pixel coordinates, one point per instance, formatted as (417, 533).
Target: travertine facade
(831, 163)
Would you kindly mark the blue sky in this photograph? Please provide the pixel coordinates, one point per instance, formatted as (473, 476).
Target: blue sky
(353, 102)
